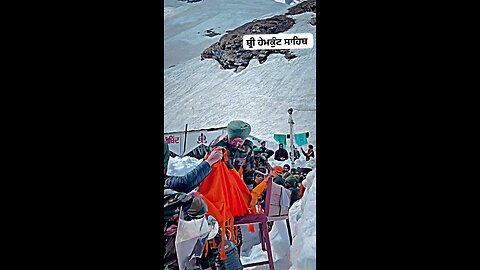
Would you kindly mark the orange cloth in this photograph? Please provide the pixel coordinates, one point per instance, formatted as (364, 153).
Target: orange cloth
(277, 170)
(251, 228)
(226, 196)
(257, 191)
(302, 188)
(261, 187)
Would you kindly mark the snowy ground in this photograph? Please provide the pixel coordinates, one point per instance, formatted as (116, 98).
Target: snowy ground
(303, 221)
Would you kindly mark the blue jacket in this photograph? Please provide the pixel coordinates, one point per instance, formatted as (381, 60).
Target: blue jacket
(189, 181)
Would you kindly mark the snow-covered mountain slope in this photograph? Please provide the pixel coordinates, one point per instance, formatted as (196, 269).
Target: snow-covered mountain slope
(202, 95)
(186, 23)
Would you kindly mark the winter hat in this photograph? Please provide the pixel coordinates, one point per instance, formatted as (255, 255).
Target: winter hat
(292, 181)
(257, 150)
(238, 129)
(165, 154)
(279, 180)
(249, 143)
(270, 153)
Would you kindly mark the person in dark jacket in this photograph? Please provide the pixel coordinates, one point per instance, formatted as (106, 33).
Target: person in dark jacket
(244, 152)
(262, 167)
(309, 154)
(296, 153)
(247, 163)
(263, 146)
(175, 197)
(269, 153)
(193, 178)
(291, 183)
(281, 154)
(286, 168)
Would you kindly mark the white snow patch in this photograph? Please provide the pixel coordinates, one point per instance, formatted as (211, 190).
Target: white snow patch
(180, 166)
(280, 249)
(304, 223)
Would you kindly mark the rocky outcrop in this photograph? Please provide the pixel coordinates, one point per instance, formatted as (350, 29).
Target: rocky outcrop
(313, 21)
(189, 1)
(306, 6)
(229, 52)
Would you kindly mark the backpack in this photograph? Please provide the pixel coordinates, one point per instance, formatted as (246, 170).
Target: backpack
(173, 201)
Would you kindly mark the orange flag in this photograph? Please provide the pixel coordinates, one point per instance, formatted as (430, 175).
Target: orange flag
(226, 196)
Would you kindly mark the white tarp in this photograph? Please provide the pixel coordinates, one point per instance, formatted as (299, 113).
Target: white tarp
(195, 138)
(175, 142)
(198, 137)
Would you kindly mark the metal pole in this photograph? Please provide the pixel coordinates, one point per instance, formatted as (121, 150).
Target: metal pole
(185, 140)
(292, 141)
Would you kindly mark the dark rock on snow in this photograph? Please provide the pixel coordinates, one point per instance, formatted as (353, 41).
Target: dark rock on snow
(229, 52)
(189, 1)
(211, 33)
(289, 55)
(306, 6)
(313, 21)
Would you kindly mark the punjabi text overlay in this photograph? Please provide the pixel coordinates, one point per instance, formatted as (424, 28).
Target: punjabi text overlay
(278, 41)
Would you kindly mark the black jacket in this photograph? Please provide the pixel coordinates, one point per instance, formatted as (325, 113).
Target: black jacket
(189, 181)
(281, 153)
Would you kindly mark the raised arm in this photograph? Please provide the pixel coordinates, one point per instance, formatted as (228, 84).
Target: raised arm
(195, 177)
(191, 180)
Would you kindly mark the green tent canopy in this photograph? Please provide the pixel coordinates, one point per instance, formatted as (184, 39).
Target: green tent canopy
(280, 138)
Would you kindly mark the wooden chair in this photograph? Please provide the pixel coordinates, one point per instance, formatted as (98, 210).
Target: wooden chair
(273, 212)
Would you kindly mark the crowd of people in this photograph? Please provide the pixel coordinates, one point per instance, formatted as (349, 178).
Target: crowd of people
(252, 164)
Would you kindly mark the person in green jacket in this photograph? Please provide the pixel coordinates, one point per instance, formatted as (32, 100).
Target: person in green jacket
(233, 141)
(247, 163)
(291, 184)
